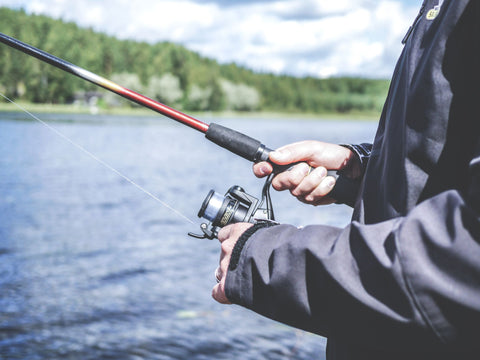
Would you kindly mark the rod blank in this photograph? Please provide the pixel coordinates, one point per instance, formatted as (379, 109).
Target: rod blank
(105, 83)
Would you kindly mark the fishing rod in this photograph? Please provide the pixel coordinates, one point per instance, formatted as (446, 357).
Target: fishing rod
(232, 140)
(229, 139)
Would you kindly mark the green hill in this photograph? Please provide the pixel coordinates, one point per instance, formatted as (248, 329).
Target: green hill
(167, 72)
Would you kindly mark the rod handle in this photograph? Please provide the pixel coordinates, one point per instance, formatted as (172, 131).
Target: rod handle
(236, 142)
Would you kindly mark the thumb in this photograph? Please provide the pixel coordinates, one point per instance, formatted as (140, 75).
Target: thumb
(291, 153)
(282, 156)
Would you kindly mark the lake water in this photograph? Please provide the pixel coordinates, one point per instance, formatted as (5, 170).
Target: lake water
(93, 268)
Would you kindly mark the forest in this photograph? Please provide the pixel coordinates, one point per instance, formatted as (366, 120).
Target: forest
(164, 71)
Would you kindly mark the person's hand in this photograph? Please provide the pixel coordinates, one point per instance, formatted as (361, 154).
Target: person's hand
(228, 237)
(308, 181)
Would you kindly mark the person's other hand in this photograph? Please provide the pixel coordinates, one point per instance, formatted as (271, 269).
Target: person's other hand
(228, 237)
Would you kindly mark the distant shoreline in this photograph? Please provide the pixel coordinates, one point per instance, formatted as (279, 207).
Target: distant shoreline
(138, 111)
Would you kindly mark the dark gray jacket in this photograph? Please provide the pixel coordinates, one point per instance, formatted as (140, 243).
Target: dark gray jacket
(403, 279)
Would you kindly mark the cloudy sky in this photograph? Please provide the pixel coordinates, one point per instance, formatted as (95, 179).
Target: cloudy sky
(297, 37)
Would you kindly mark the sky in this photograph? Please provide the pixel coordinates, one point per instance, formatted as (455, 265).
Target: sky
(319, 38)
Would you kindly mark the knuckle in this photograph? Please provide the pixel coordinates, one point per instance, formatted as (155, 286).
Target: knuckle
(226, 247)
(311, 182)
(310, 198)
(297, 192)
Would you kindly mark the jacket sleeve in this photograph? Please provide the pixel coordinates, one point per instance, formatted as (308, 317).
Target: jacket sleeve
(346, 189)
(412, 280)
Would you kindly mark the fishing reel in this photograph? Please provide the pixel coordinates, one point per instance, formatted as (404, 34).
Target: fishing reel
(235, 206)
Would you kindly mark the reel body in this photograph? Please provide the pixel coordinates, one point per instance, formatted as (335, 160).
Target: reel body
(235, 206)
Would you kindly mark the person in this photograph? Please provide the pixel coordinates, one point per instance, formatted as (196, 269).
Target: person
(402, 280)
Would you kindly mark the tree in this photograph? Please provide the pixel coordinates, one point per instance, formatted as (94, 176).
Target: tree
(128, 80)
(168, 72)
(240, 96)
(165, 89)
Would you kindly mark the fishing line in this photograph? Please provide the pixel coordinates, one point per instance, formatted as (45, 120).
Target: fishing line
(231, 140)
(97, 159)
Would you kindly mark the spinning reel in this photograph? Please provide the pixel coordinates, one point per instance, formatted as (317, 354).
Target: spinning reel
(233, 207)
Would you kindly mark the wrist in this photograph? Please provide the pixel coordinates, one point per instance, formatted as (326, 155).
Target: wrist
(242, 240)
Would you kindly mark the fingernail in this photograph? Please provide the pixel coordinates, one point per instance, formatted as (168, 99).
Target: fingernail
(305, 168)
(322, 172)
(264, 170)
(330, 182)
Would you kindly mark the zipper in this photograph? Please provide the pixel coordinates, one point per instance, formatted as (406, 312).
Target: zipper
(415, 22)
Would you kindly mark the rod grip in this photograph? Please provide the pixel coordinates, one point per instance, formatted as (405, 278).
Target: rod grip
(236, 142)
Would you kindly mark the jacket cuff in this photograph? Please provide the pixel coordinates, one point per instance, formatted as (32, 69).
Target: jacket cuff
(362, 151)
(242, 240)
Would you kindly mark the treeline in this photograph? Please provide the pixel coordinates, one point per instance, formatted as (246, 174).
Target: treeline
(164, 71)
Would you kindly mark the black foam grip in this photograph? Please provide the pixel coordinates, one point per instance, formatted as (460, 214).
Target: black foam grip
(234, 141)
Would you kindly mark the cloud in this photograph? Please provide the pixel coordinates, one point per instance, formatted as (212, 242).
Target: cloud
(297, 37)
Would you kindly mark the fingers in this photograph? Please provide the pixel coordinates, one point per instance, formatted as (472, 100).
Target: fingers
(218, 293)
(318, 195)
(315, 153)
(288, 154)
(228, 237)
(307, 185)
(232, 232)
(290, 179)
(262, 169)
(295, 152)
(312, 183)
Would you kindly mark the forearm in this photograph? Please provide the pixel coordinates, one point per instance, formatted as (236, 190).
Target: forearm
(413, 280)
